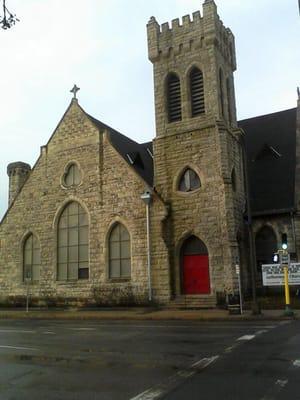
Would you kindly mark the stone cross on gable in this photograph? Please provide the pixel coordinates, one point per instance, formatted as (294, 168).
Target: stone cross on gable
(74, 91)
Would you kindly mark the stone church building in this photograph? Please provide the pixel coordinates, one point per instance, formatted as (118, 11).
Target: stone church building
(100, 219)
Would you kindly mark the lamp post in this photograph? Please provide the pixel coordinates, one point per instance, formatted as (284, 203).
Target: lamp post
(147, 198)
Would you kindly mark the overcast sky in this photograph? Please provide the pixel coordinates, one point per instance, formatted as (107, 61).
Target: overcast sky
(101, 46)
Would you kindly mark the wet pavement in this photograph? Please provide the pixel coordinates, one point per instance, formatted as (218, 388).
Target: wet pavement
(119, 360)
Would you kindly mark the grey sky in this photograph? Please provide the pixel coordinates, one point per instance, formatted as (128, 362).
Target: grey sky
(101, 46)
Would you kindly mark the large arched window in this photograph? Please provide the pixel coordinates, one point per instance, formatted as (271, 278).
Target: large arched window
(265, 246)
(31, 259)
(173, 98)
(189, 181)
(119, 252)
(197, 92)
(73, 243)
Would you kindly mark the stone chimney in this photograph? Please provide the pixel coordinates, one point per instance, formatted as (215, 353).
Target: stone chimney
(18, 173)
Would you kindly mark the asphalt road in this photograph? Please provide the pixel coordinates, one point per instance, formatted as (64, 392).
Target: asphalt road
(144, 360)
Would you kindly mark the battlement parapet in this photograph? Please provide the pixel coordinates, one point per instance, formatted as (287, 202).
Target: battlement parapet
(18, 167)
(192, 32)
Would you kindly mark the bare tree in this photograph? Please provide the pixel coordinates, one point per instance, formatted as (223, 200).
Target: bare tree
(8, 19)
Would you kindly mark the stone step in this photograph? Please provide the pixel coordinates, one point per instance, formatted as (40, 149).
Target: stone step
(192, 302)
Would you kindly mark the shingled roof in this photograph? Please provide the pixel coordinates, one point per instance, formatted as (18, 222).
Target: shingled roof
(270, 142)
(271, 156)
(138, 156)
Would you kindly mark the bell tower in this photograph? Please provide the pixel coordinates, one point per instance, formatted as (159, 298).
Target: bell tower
(198, 44)
(197, 150)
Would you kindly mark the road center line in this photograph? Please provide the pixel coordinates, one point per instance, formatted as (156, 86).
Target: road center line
(17, 348)
(174, 380)
(15, 331)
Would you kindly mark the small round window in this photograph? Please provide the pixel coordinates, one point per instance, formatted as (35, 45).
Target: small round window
(189, 181)
(73, 176)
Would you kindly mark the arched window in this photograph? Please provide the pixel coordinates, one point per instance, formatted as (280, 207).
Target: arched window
(221, 83)
(31, 259)
(265, 246)
(228, 90)
(174, 98)
(197, 92)
(119, 252)
(73, 176)
(73, 243)
(189, 181)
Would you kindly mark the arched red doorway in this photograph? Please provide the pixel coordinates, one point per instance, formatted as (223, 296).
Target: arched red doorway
(195, 267)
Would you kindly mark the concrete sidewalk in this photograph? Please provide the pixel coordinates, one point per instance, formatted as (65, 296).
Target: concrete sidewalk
(142, 314)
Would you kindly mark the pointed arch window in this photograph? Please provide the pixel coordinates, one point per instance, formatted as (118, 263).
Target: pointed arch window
(189, 181)
(31, 259)
(173, 98)
(72, 176)
(197, 92)
(73, 243)
(119, 252)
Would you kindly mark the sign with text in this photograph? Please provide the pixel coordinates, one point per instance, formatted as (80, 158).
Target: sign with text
(272, 274)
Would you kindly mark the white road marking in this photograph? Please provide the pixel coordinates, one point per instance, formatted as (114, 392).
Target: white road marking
(49, 333)
(281, 382)
(17, 348)
(275, 390)
(246, 337)
(296, 363)
(261, 332)
(15, 331)
(174, 380)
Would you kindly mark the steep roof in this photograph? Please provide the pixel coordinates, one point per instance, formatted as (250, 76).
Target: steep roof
(270, 142)
(271, 156)
(138, 156)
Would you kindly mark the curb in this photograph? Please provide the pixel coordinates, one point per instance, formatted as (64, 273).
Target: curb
(140, 316)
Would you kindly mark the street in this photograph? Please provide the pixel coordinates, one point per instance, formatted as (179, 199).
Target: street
(150, 360)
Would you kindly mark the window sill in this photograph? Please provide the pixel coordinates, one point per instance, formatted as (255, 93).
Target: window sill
(118, 280)
(189, 193)
(72, 281)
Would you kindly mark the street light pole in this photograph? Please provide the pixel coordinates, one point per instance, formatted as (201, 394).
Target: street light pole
(147, 198)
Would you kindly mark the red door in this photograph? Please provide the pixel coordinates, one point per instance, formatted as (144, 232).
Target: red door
(196, 274)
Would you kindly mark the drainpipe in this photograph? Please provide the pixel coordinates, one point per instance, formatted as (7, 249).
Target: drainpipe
(147, 198)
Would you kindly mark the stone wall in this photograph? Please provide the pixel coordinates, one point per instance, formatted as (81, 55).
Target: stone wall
(110, 191)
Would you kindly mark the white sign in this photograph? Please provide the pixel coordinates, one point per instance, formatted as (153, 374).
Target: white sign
(272, 274)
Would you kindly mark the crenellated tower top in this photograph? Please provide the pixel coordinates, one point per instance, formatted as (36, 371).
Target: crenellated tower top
(192, 33)
(193, 64)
